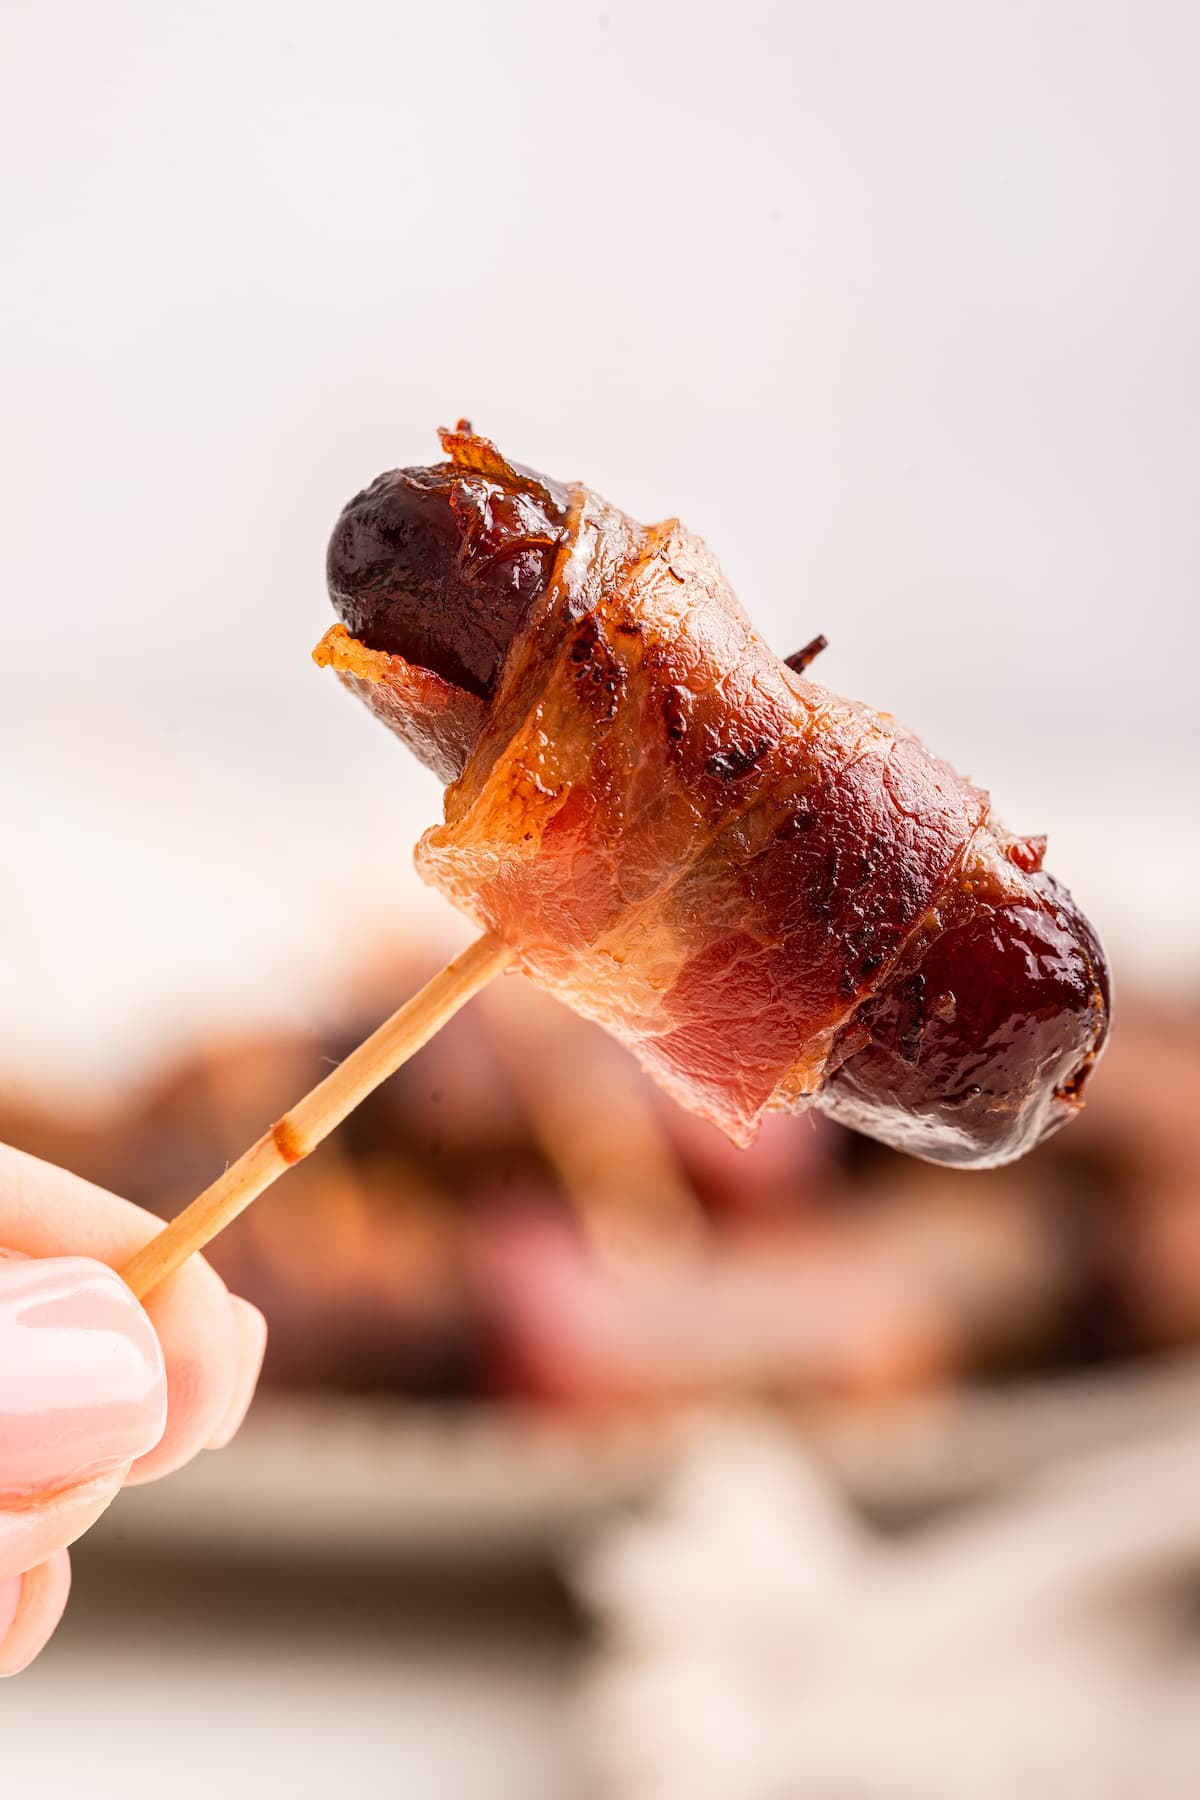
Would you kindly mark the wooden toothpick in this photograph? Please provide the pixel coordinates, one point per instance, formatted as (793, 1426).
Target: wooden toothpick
(313, 1118)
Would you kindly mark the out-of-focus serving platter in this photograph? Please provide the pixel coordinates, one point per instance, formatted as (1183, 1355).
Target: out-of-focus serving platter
(337, 1477)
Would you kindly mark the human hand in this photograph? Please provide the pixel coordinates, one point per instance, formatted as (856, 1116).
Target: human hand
(94, 1390)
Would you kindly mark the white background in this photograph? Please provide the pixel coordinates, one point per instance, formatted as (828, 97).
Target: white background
(896, 303)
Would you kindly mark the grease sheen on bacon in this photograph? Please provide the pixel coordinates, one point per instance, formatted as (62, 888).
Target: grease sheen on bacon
(775, 896)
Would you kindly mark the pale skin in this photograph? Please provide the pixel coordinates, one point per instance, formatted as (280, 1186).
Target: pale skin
(212, 1344)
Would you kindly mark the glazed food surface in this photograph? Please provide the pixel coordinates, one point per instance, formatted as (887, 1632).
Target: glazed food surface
(777, 897)
(441, 565)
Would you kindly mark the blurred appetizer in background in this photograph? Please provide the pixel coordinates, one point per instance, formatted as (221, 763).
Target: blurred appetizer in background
(519, 1213)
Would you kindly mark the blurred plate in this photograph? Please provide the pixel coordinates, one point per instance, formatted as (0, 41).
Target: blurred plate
(347, 1478)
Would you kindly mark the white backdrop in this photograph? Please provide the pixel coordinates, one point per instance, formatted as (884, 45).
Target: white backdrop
(896, 303)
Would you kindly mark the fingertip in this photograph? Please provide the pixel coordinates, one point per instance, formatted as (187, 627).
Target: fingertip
(250, 1334)
(33, 1529)
(10, 1597)
(199, 1379)
(190, 1312)
(40, 1600)
(212, 1370)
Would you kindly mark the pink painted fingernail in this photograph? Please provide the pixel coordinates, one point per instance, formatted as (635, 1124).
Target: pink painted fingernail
(83, 1387)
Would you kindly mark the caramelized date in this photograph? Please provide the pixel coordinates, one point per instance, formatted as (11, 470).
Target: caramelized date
(441, 565)
(985, 1046)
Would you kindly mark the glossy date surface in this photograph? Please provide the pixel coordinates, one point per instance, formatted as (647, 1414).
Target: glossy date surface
(440, 565)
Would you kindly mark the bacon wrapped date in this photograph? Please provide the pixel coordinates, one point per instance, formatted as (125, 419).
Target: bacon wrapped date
(775, 896)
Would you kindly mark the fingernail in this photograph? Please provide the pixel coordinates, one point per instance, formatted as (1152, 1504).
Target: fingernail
(83, 1388)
